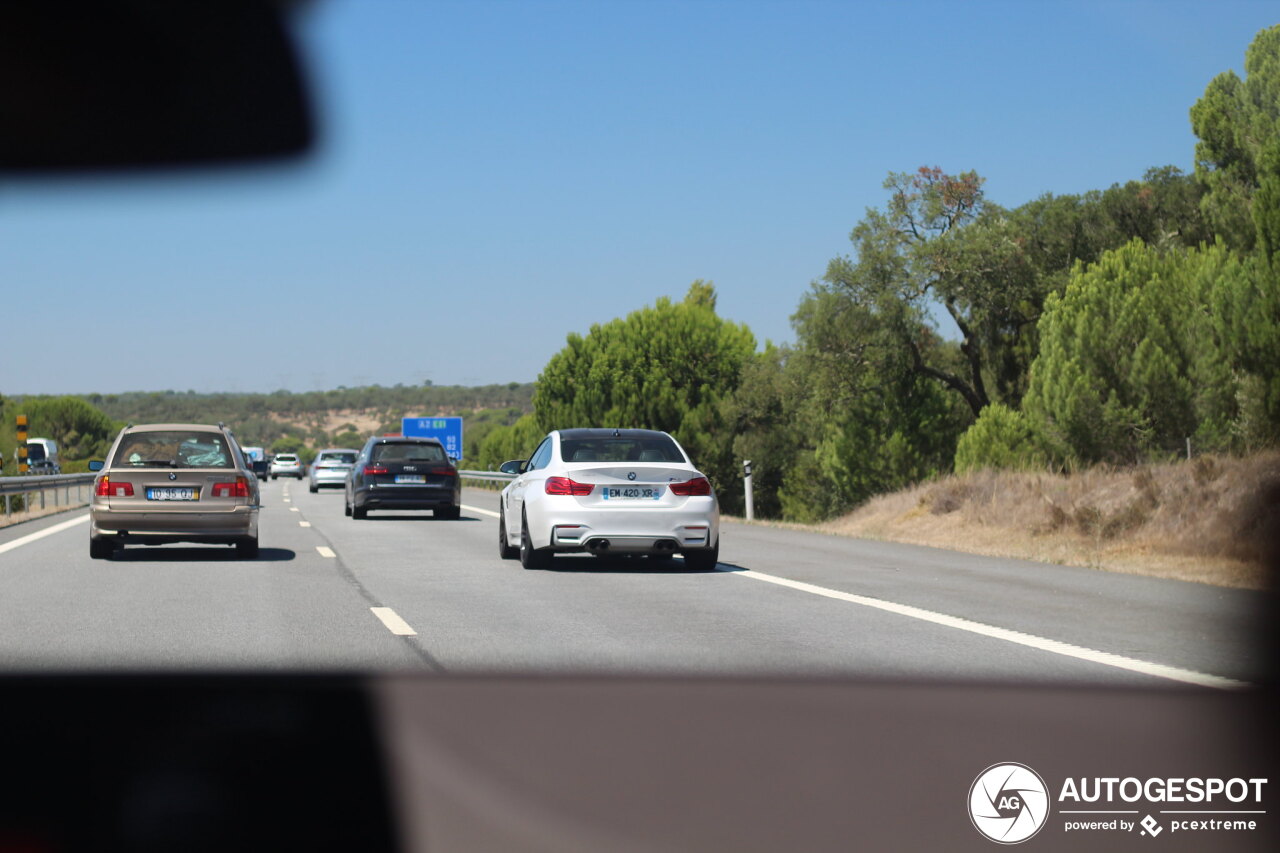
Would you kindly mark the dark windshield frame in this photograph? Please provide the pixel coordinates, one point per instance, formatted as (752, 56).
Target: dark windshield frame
(408, 451)
(658, 449)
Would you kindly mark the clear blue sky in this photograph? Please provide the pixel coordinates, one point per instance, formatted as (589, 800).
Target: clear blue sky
(495, 175)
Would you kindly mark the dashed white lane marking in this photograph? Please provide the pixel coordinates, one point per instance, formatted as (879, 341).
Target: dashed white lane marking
(487, 512)
(294, 509)
(304, 524)
(325, 551)
(40, 534)
(394, 623)
(1056, 647)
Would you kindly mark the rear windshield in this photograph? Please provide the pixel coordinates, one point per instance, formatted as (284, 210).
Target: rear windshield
(657, 449)
(35, 452)
(347, 457)
(408, 453)
(177, 449)
(286, 457)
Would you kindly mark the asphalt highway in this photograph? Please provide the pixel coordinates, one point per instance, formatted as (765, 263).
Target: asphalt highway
(401, 591)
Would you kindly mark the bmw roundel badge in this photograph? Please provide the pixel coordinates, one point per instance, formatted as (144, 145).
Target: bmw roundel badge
(631, 476)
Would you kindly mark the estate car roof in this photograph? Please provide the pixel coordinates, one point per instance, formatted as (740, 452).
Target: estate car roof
(166, 427)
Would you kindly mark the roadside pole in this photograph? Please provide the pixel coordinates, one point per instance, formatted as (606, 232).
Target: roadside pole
(746, 479)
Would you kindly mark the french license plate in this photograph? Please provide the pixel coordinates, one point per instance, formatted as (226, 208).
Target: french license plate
(173, 494)
(632, 493)
(411, 478)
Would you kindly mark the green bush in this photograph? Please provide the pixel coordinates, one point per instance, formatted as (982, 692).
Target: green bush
(1000, 438)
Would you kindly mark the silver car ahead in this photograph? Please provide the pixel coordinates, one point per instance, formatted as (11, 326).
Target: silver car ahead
(286, 465)
(164, 483)
(331, 467)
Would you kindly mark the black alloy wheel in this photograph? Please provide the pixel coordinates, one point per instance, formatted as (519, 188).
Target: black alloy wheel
(505, 551)
(530, 557)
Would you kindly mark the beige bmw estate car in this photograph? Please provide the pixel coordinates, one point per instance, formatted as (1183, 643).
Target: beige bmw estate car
(164, 483)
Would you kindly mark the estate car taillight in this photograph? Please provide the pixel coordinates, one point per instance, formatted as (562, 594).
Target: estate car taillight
(104, 488)
(697, 487)
(238, 489)
(565, 486)
(370, 470)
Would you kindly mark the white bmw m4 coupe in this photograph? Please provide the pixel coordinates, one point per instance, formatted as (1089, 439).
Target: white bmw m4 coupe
(608, 491)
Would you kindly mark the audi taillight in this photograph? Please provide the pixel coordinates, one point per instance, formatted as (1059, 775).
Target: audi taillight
(370, 470)
(104, 488)
(238, 489)
(698, 487)
(565, 486)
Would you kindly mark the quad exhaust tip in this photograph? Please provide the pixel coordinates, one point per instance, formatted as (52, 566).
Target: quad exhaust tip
(601, 545)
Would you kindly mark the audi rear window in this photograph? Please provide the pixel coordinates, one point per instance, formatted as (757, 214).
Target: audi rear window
(174, 449)
(408, 453)
(660, 449)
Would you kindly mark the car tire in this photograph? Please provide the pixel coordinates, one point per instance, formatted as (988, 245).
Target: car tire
(703, 559)
(313, 489)
(247, 549)
(100, 549)
(505, 551)
(273, 476)
(346, 508)
(530, 557)
(452, 513)
(359, 512)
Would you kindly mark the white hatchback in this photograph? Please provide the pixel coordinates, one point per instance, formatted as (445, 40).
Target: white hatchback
(608, 491)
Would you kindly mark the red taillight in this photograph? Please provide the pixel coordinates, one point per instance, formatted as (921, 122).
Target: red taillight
(565, 486)
(445, 472)
(238, 489)
(104, 488)
(370, 470)
(697, 487)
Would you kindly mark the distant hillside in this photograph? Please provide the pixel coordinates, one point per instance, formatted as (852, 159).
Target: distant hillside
(343, 416)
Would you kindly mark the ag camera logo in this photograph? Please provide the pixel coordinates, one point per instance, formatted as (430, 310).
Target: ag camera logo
(1008, 803)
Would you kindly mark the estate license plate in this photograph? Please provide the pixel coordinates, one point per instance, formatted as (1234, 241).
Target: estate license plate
(411, 478)
(173, 494)
(632, 493)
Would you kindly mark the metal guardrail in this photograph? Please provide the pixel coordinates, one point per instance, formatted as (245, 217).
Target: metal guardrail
(497, 476)
(57, 489)
(60, 486)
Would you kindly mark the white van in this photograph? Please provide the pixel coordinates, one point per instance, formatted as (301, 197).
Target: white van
(42, 456)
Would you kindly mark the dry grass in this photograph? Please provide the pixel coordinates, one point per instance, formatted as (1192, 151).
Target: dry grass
(365, 422)
(31, 514)
(1214, 520)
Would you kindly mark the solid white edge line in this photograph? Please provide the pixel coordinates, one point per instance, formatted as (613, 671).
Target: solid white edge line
(1057, 647)
(487, 512)
(325, 551)
(394, 623)
(40, 534)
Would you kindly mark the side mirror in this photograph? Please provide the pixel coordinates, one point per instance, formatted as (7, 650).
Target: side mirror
(96, 465)
(514, 466)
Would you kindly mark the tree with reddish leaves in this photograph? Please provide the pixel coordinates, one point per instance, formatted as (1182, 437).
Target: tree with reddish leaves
(939, 244)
